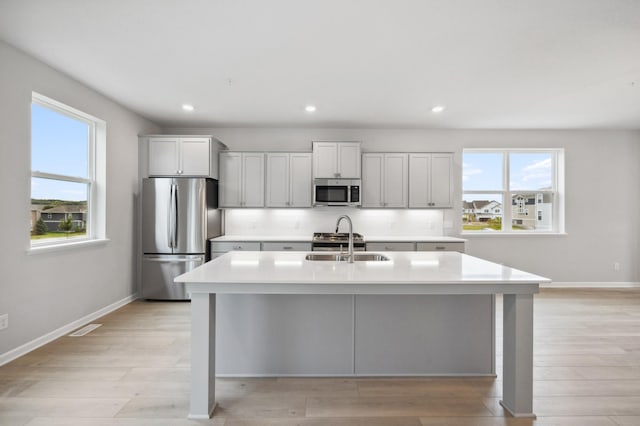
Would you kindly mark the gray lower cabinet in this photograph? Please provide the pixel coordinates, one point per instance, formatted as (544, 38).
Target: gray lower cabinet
(448, 246)
(223, 247)
(269, 335)
(391, 246)
(411, 246)
(286, 246)
(424, 335)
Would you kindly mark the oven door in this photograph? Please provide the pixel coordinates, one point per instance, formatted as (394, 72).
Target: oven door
(331, 195)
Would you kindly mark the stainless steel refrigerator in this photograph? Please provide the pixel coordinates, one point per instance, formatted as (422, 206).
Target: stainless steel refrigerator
(179, 215)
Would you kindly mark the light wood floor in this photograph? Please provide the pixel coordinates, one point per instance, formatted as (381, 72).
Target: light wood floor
(134, 370)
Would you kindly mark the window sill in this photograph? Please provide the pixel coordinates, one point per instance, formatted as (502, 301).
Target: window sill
(74, 245)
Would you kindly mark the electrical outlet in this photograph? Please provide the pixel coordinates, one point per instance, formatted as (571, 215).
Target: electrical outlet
(4, 321)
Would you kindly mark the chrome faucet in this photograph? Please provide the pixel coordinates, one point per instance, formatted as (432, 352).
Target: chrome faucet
(344, 216)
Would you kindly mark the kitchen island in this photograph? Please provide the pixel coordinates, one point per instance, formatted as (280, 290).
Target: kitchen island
(450, 277)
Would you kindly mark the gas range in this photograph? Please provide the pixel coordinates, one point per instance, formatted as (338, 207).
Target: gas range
(336, 241)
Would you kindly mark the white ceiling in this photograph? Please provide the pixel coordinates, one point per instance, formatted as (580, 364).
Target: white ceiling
(364, 63)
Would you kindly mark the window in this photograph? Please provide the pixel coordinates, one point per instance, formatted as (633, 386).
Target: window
(67, 174)
(528, 180)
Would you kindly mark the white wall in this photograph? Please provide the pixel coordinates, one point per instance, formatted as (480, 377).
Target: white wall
(601, 179)
(44, 292)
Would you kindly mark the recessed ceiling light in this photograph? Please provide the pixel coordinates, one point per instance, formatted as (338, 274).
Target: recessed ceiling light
(437, 109)
(310, 108)
(188, 107)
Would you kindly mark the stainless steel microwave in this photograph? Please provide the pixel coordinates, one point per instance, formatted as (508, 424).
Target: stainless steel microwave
(336, 192)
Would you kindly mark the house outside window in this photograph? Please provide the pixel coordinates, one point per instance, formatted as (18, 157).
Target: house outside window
(67, 174)
(531, 181)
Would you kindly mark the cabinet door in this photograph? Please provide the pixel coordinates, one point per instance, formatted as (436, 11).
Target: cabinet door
(419, 180)
(325, 159)
(163, 156)
(348, 160)
(300, 179)
(439, 246)
(195, 154)
(441, 180)
(253, 179)
(286, 246)
(372, 180)
(391, 246)
(395, 180)
(230, 185)
(277, 180)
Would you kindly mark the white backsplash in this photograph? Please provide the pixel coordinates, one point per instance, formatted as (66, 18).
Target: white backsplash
(304, 222)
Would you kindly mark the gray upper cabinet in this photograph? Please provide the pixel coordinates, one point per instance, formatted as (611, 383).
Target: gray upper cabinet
(333, 160)
(431, 180)
(179, 156)
(385, 180)
(288, 179)
(242, 179)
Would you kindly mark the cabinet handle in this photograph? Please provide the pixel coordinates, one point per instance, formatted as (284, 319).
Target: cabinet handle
(287, 248)
(440, 247)
(238, 248)
(388, 248)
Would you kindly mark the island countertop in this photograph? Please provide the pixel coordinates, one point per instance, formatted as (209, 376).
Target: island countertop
(403, 273)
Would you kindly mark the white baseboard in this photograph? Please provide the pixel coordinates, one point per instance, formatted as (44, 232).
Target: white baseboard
(595, 284)
(62, 331)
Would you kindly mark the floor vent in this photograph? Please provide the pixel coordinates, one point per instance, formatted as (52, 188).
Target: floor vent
(84, 330)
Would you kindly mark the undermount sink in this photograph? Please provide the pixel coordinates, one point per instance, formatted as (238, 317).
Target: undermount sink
(341, 257)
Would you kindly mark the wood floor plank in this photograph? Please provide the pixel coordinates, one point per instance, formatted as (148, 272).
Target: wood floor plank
(392, 406)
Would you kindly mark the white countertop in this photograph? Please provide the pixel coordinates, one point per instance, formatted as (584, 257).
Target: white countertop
(405, 273)
(367, 238)
(240, 238)
(412, 238)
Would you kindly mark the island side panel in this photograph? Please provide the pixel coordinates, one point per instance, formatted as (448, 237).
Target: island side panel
(424, 335)
(282, 335)
(203, 355)
(517, 386)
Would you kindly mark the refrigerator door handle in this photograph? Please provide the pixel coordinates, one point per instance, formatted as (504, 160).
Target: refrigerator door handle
(171, 225)
(175, 216)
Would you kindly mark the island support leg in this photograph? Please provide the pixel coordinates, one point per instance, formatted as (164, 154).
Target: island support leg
(517, 370)
(203, 355)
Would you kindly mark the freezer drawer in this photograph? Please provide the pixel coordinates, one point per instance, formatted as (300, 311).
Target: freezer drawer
(158, 272)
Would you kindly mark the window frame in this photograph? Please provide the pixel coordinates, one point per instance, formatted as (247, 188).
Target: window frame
(556, 192)
(95, 180)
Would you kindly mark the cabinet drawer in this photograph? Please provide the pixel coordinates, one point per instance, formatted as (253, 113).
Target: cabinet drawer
(441, 247)
(286, 246)
(235, 245)
(391, 246)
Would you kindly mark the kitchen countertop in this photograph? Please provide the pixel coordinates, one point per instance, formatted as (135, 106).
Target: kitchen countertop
(227, 238)
(413, 238)
(367, 238)
(405, 273)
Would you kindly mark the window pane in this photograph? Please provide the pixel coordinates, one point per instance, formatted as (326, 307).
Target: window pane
(58, 209)
(531, 171)
(482, 212)
(59, 144)
(532, 211)
(482, 171)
